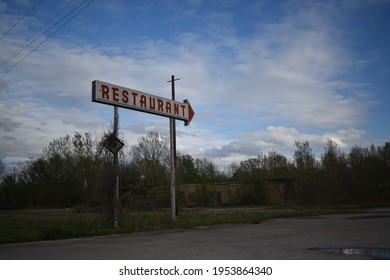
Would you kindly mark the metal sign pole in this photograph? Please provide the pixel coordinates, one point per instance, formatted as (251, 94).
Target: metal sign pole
(172, 123)
(113, 144)
(116, 167)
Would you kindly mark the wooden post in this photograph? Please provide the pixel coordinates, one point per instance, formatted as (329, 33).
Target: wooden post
(172, 125)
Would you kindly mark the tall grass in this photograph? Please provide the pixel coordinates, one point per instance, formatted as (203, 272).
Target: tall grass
(25, 226)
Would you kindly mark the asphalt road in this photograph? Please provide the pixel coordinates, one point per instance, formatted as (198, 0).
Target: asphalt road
(278, 239)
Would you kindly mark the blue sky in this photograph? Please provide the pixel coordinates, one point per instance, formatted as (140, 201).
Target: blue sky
(260, 75)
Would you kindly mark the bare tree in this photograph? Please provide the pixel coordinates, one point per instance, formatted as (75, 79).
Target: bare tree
(303, 156)
(205, 169)
(151, 155)
(2, 167)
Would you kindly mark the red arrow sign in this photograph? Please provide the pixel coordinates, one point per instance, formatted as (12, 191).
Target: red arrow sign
(106, 93)
(191, 113)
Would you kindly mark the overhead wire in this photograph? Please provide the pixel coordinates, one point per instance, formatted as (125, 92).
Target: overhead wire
(26, 14)
(29, 41)
(52, 34)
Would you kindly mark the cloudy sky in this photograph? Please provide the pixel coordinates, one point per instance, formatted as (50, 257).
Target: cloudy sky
(260, 75)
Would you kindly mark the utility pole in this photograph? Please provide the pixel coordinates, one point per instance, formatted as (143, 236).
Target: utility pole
(172, 123)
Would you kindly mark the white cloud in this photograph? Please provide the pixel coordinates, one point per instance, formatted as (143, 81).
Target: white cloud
(280, 139)
(284, 83)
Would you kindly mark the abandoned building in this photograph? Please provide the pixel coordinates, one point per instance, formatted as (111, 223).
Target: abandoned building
(270, 192)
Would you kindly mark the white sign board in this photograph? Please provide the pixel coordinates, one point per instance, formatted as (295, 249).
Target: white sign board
(107, 93)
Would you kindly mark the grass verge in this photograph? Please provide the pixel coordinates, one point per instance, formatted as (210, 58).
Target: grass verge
(38, 225)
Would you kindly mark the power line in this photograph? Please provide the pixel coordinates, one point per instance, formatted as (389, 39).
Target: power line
(51, 35)
(29, 42)
(13, 26)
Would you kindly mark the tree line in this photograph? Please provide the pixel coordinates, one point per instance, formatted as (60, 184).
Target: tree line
(360, 177)
(78, 170)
